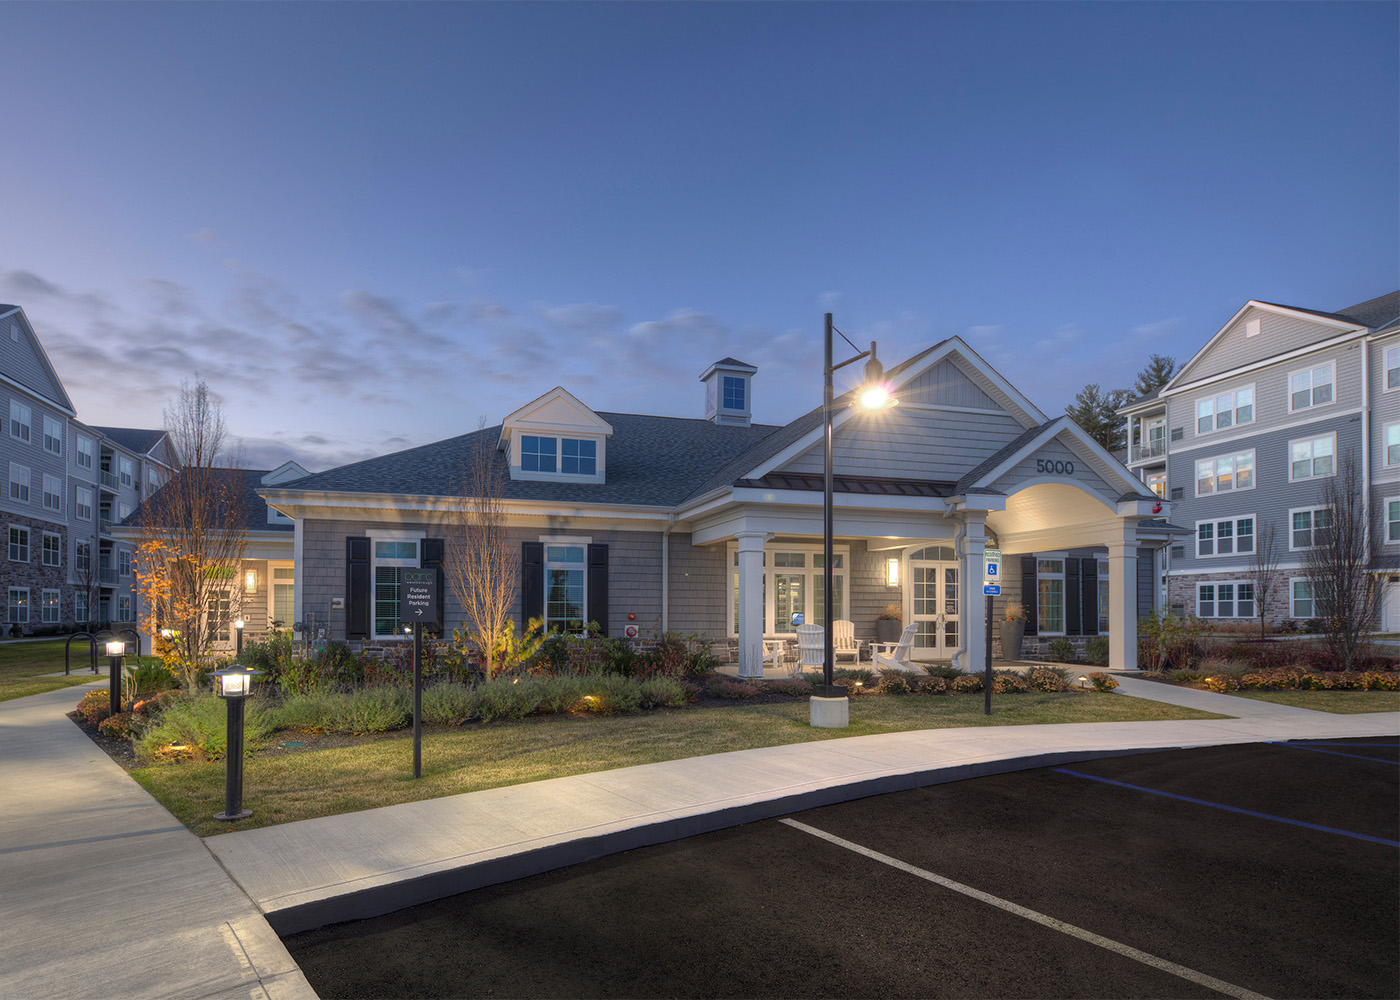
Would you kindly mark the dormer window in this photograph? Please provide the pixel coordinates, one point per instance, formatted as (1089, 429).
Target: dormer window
(556, 438)
(575, 457)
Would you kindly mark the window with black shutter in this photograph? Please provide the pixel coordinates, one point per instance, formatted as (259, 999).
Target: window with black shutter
(357, 587)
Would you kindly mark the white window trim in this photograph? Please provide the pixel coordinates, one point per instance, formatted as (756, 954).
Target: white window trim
(79, 454)
(1234, 520)
(1386, 368)
(1235, 599)
(44, 596)
(572, 541)
(376, 535)
(770, 591)
(78, 504)
(1043, 557)
(1234, 473)
(1385, 445)
(26, 421)
(10, 606)
(57, 438)
(600, 448)
(57, 494)
(1312, 458)
(1385, 519)
(46, 536)
(26, 483)
(28, 544)
(1288, 387)
(1292, 580)
(1234, 409)
(1312, 525)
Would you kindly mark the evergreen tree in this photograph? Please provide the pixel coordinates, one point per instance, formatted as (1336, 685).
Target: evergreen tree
(1159, 372)
(1097, 412)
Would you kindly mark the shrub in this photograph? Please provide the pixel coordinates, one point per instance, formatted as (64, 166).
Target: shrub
(448, 704)
(966, 684)
(95, 706)
(146, 679)
(558, 694)
(944, 670)
(663, 692)
(1046, 678)
(199, 726)
(1008, 682)
(731, 689)
(507, 697)
(1061, 650)
(894, 681)
(269, 655)
(156, 703)
(793, 687)
(1096, 651)
(933, 685)
(369, 710)
(608, 693)
(119, 726)
(1222, 683)
(1377, 680)
(1102, 681)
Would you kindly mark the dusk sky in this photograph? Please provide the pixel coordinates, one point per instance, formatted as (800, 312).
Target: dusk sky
(369, 226)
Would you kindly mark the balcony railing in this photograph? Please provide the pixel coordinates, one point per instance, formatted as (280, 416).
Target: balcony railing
(104, 525)
(108, 480)
(1153, 449)
(107, 576)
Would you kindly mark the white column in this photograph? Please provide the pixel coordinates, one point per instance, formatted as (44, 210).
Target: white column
(1122, 604)
(751, 602)
(972, 606)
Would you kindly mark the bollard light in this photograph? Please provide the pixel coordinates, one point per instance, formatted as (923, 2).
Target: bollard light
(116, 649)
(238, 627)
(233, 684)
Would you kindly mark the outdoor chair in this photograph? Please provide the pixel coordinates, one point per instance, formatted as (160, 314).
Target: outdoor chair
(896, 655)
(844, 641)
(811, 647)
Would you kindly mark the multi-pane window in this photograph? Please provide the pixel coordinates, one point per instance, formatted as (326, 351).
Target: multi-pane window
(564, 572)
(1392, 367)
(1225, 538)
(53, 493)
(1157, 483)
(733, 393)
(53, 549)
(283, 594)
(83, 503)
(21, 421)
(1050, 596)
(1103, 596)
(537, 454)
(53, 435)
(390, 559)
(579, 458)
(1392, 444)
(1392, 520)
(80, 606)
(1225, 473)
(1311, 527)
(19, 544)
(127, 470)
(1225, 600)
(1311, 458)
(49, 609)
(1301, 598)
(82, 557)
(124, 562)
(218, 620)
(19, 482)
(17, 613)
(1310, 388)
(1225, 410)
(124, 609)
(794, 582)
(84, 452)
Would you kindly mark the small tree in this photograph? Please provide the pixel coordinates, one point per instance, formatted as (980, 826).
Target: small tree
(482, 567)
(1338, 564)
(191, 535)
(1266, 571)
(1159, 371)
(1097, 412)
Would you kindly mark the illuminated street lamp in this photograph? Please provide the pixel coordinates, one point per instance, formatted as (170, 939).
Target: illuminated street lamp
(233, 684)
(829, 706)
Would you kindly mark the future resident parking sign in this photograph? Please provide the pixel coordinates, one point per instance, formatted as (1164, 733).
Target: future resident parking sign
(418, 601)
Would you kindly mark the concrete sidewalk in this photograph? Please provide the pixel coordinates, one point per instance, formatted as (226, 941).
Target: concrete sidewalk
(102, 892)
(319, 871)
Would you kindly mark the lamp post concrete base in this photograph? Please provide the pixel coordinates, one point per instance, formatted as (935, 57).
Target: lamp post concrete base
(830, 713)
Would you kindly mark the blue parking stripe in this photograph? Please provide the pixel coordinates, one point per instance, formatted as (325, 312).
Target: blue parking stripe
(1334, 753)
(1233, 809)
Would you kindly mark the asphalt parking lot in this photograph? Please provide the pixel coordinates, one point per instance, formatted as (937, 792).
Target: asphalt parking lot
(1266, 870)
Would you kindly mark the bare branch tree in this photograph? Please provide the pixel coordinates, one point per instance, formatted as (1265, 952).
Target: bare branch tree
(1338, 565)
(192, 534)
(482, 566)
(1266, 571)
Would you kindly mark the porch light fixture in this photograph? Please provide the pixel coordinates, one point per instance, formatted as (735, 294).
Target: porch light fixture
(873, 396)
(891, 572)
(233, 685)
(250, 581)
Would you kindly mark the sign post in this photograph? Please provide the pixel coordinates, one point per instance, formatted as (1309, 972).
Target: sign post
(991, 587)
(418, 606)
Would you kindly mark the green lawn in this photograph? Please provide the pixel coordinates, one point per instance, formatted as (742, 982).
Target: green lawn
(1339, 702)
(378, 771)
(22, 662)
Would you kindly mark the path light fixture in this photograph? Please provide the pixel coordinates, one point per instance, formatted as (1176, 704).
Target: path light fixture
(116, 649)
(1083, 682)
(830, 708)
(233, 684)
(238, 627)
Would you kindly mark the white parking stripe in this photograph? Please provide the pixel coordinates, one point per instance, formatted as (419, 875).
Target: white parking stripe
(1200, 978)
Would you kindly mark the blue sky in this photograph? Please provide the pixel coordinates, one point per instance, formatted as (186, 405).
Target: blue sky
(368, 226)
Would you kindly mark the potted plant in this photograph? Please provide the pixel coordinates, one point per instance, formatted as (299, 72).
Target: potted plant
(889, 623)
(1013, 629)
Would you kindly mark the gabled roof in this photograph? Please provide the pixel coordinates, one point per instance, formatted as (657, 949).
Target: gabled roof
(652, 461)
(243, 485)
(55, 393)
(131, 438)
(987, 471)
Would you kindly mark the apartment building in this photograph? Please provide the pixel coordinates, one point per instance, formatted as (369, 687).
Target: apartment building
(69, 483)
(1246, 434)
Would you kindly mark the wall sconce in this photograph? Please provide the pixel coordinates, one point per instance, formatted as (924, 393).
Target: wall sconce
(250, 581)
(891, 572)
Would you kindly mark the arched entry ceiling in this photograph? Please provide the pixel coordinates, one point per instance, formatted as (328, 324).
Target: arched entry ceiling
(1046, 508)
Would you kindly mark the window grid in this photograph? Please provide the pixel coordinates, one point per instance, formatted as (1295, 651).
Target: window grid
(53, 436)
(1311, 459)
(1223, 474)
(53, 493)
(53, 550)
(537, 454)
(21, 421)
(19, 544)
(1225, 410)
(1392, 367)
(733, 393)
(1392, 444)
(49, 607)
(1310, 388)
(1392, 520)
(17, 613)
(19, 483)
(1310, 527)
(84, 452)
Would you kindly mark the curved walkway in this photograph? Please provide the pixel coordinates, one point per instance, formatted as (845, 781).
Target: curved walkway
(104, 894)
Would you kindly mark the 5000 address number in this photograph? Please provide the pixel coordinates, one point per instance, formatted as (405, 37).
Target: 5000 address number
(1054, 468)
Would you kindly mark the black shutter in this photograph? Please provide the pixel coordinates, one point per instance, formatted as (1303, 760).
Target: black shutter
(1072, 626)
(531, 582)
(357, 587)
(1028, 593)
(598, 586)
(430, 554)
(1089, 603)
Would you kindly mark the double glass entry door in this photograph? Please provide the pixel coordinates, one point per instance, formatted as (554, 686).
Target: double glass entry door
(935, 607)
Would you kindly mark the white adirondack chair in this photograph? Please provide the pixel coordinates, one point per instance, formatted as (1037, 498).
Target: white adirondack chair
(811, 647)
(896, 655)
(844, 641)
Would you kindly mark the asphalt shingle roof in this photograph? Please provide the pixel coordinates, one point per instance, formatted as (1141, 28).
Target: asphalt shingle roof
(131, 438)
(245, 484)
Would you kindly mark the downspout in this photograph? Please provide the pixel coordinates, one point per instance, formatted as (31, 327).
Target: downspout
(958, 540)
(666, 574)
(1366, 446)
